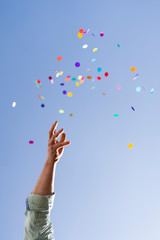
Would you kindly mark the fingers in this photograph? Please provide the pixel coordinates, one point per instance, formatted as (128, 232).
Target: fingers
(63, 138)
(56, 135)
(62, 144)
(53, 128)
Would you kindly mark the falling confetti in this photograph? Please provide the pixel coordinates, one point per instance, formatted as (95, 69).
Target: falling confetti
(31, 142)
(64, 92)
(104, 93)
(102, 34)
(99, 69)
(62, 84)
(61, 111)
(80, 35)
(57, 75)
(81, 30)
(41, 97)
(59, 58)
(106, 74)
(118, 87)
(73, 78)
(50, 78)
(115, 115)
(87, 31)
(93, 60)
(77, 64)
(138, 89)
(133, 108)
(77, 84)
(79, 77)
(13, 104)
(71, 114)
(95, 49)
(89, 77)
(152, 90)
(99, 78)
(42, 105)
(69, 94)
(60, 73)
(85, 46)
(88, 69)
(135, 77)
(130, 145)
(133, 69)
(118, 45)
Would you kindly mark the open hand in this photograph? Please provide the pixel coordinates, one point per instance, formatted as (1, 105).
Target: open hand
(55, 148)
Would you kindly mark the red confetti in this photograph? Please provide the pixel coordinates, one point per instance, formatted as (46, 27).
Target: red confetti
(50, 77)
(99, 78)
(106, 74)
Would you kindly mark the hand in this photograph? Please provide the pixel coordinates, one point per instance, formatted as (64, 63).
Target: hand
(55, 148)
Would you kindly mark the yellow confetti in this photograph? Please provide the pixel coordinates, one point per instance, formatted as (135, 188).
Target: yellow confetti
(69, 94)
(79, 35)
(95, 49)
(71, 114)
(61, 111)
(130, 145)
(77, 84)
(79, 77)
(60, 73)
(133, 69)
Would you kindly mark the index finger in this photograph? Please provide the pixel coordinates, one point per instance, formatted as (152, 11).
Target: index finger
(53, 128)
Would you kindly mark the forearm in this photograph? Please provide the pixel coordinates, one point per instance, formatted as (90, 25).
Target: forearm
(45, 183)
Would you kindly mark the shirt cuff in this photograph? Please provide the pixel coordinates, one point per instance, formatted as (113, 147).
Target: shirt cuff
(35, 202)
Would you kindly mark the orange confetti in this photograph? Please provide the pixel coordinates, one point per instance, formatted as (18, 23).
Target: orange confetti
(81, 30)
(59, 58)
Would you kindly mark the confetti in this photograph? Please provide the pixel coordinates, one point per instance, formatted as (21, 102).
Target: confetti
(59, 58)
(61, 111)
(41, 97)
(50, 78)
(99, 78)
(87, 31)
(85, 46)
(118, 87)
(133, 108)
(31, 142)
(115, 115)
(42, 105)
(95, 49)
(133, 69)
(102, 34)
(152, 90)
(118, 45)
(130, 145)
(135, 77)
(62, 84)
(80, 35)
(64, 92)
(71, 114)
(77, 84)
(106, 74)
(13, 104)
(69, 94)
(104, 93)
(67, 79)
(99, 69)
(138, 89)
(79, 77)
(57, 75)
(52, 81)
(60, 73)
(77, 64)
(89, 77)
(93, 60)
(81, 31)
(73, 78)
(88, 69)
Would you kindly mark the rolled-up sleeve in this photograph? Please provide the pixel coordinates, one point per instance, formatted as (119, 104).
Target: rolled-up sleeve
(38, 224)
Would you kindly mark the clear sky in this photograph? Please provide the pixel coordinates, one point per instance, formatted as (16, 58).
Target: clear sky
(104, 189)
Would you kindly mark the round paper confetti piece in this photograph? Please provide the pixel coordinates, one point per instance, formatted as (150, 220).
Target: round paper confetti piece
(77, 64)
(152, 90)
(133, 69)
(138, 89)
(57, 75)
(79, 77)
(73, 78)
(69, 94)
(62, 84)
(81, 81)
(61, 111)
(133, 108)
(106, 74)
(88, 69)
(38, 81)
(77, 84)
(66, 79)
(99, 78)
(99, 69)
(95, 49)
(89, 77)
(71, 114)
(104, 93)
(50, 78)
(42, 105)
(82, 78)
(130, 145)
(81, 30)
(118, 87)
(59, 58)
(102, 34)
(79, 35)
(64, 92)
(31, 142)
(93, 60)
(85, 46)
(13, 104)
(118, 45)
(60, 73)
(115, 115)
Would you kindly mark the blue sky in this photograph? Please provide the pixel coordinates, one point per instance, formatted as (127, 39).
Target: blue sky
(104, 190)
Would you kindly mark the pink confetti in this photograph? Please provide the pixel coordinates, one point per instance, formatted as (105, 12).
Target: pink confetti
(88, 69)
(118, 87)
(31, 142)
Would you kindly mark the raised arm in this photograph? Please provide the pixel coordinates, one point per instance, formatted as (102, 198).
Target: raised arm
(40, 202)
